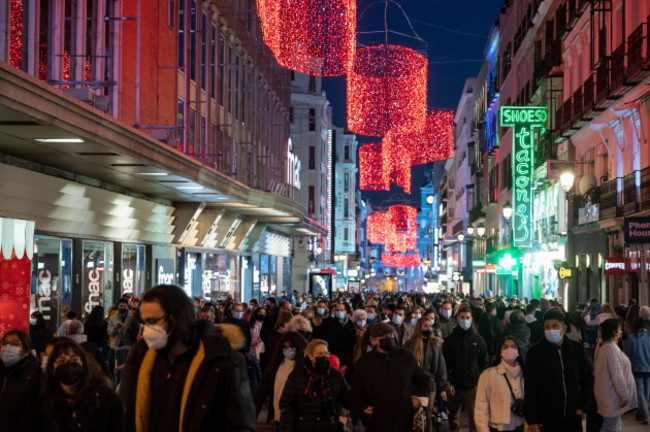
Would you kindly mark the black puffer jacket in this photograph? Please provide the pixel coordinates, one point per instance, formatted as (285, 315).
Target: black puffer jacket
(18, 392)
(301, 412)
(341, 338)
(466, 356)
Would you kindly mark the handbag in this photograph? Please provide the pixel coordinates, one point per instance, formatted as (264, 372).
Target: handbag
(517, 407)
(419, 420)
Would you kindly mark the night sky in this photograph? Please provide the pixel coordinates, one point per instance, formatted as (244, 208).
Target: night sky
(456, 32)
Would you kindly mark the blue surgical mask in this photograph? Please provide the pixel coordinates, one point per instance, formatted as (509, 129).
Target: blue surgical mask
(289, 353)
(340, 315)
(397, 319)
(465, 324)
(446, 314)
(320, 311)
(361, 324)
(553, 336)
(238, 315)
(371, 316)
(414, 321)
(10, 355)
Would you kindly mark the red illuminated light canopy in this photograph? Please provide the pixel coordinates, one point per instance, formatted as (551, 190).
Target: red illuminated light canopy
(400, 260)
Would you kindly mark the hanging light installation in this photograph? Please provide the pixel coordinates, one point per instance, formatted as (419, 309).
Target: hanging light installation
(374, 171)
(387, 90)
(315, 37)
(396, 229)
(400, 260)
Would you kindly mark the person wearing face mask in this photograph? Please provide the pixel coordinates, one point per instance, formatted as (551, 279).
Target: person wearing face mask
(39, 333)
(614, 385)
(276, 374)
(559, 380)
(489, 327)
(182, 372)
(257, 346)
(403, 331)
(373, 315)
(446, 321)
(416, 314)
(359, 318)
(314, 394)
(340, 334)
(237, 318)
(500, 387)
(117, 325)
(75, 395)
(19, 381)
(426, 346)
(388, 384)
(320, 316)
(466, 356)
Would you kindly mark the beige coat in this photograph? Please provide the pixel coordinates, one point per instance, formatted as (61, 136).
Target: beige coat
(613, 381)
(494, 401)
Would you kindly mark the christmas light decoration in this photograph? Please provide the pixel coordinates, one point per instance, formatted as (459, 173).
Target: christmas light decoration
(374, 171)
(315, 37)
(400, 260)
(396, 229)
(387, 90)
(16, 34)
(403, 217)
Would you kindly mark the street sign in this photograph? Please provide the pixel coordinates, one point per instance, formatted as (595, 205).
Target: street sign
(564, 273)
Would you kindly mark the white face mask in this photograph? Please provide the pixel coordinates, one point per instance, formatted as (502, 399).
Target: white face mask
(32, 321)
(155, 337)
(10, 355)
(44, 363)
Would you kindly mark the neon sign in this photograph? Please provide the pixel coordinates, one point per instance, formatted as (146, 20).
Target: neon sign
(524, 120)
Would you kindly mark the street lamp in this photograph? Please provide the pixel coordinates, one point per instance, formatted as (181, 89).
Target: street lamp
(461, 237)
(480, 231)
(319, 250)
(567, 179)
(507, 210)
(470, 230)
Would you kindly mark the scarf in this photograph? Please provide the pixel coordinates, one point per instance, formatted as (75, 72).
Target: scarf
(317, 379)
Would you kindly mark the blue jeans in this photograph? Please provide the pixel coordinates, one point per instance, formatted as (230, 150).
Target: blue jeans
(642, 391)
(611, 424)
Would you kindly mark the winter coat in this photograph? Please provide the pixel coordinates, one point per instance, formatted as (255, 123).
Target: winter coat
(403, 333)
(216, 386)
(341, 338)
(494, 400)
(19, 385)
(40, 336)
(637, 349)
(536, 332)
(386, 382)
(614, 381)
(118, 334)
(245, 328)
(107, 417)
(559, 381)
(489, 328)
(257, 346)
(97, 334)
(302, 412)
(434, 363)
(446, 325)
(466, 356)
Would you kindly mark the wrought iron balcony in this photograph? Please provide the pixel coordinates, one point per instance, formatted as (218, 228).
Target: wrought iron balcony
(638, 53)
(611, 199)
(630, 193)
(644, 203)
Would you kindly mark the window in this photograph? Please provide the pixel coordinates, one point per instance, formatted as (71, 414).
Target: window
(312, 119)
(346, 208)
(312, 84)
(346, 182)
(193, 41)
(312, 157)
(311, 199)
(347, 152)
(293, 75)
(291, 115)
(345, 234)
(181, 38)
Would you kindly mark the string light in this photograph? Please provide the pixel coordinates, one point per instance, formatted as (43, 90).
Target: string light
(396, 229)
(16, 35)
(315, 37)
(400, 260)
(374, 172)
(387, 90)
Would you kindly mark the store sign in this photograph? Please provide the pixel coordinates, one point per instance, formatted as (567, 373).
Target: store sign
(564, 273)
(524, 120)
(45, 293)
(165, 272)
(127, 281)
(637, 230)
(615, 266)
(293, 167)
(94, 290)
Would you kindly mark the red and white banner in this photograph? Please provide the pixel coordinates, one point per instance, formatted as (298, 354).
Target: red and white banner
(615, 266)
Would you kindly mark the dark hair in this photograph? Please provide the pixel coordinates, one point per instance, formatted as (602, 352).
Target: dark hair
(40, 321)
(25, 340)
(255, 314)
(272, 300)
(530, 308)
(295, 340)
(609, 328)
(497, 359)
(52, 396)
(463, 309)
(71, 315)
(96, 316)
(553, 314)
(517, 317)
(490, 306)
(179, 311)
(640, 324)
(123, 301)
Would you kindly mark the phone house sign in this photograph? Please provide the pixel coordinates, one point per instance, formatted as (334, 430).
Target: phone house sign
(523, 120)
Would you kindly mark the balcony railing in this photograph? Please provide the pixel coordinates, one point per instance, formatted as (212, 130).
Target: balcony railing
(644, 201)
(638, 57)
(603, 89)
(618, 69)
(567, 115)
(577, 105)
(553, 54)
(630, 193)
(588, 97)
(611, 198)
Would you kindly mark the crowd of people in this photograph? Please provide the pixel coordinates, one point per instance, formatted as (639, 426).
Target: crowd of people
(374, 362)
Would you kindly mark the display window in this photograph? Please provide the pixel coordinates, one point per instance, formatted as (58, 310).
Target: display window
(97, 288)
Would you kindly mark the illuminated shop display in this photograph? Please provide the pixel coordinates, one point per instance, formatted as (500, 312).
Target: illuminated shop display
(315, 37)
(387, 90)
(527, 122)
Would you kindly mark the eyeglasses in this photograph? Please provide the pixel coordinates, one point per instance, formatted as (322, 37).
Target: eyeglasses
(14, 343)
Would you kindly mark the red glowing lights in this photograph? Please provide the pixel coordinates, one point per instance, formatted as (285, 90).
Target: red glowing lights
(400, 260)
(315, 37)
(396, 229)
(374, 172)
(16, 35)
(387, 90)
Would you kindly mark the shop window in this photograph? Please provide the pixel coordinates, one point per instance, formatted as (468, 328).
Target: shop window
(132, 278)
(97, 281)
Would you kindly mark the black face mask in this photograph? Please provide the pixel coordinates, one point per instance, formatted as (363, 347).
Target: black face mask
(261, 317)
(426, 334)
(387, 345)
(69, 373)
(322, 363)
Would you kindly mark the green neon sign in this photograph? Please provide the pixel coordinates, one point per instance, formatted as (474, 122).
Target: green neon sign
(524, 120)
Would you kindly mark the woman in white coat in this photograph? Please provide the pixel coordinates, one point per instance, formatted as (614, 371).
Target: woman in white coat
(499, 387)
(614, 386)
